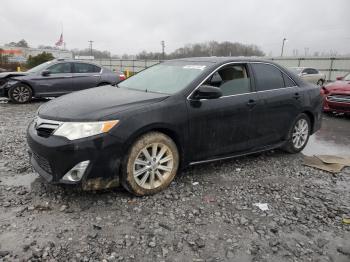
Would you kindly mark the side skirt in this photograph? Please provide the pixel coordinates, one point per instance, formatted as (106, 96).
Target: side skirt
(238, 155)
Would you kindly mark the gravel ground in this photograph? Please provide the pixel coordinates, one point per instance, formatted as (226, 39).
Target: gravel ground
(207, 214)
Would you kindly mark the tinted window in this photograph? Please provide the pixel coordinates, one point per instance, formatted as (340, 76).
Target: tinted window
(267, 77)
(310, 71)
(86, 68)
(287, 81)
(60, 68)
(232, 80)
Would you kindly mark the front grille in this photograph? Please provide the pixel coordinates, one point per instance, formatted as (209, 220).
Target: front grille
(42, 162)
(339, 98)
(45, 128)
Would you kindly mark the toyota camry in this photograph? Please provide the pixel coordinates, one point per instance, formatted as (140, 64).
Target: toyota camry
(171, 115)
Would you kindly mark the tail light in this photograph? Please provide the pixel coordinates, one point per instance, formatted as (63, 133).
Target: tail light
(122, 77)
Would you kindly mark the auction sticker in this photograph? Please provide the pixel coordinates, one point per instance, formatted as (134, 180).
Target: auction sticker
(197, 67)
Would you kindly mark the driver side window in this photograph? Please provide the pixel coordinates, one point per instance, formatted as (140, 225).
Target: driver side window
(231, 79)
(60, 68)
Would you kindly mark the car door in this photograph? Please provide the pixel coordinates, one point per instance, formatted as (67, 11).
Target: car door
(281, 101)
(85, 76)
(55, 80)
(222, 126)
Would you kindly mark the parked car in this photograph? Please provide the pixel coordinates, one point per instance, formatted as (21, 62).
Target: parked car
(55, 78)
(310, 75)
(177, 113)
(337, 95)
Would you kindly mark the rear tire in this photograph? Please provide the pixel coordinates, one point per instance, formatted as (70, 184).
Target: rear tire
(151, 164)
(20, 94)
(298, 135)
(103, 84)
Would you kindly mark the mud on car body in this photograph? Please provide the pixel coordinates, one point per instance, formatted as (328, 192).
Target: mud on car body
(178, 113)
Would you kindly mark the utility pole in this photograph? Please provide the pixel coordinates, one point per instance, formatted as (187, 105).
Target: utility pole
(90, 41)
(163, 48)
(284, 40)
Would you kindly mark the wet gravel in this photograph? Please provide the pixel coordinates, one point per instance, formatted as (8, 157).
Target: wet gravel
(207, 214)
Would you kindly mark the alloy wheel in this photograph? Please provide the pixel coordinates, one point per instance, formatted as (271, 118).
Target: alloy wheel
(300, 133)
(21, 94)
(153, 165)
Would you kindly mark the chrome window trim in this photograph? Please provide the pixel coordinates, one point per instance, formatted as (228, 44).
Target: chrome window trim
(242, 62)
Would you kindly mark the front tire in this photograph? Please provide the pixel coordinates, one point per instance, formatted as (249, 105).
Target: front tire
(299, 134)
(151, 164)
(20, 94)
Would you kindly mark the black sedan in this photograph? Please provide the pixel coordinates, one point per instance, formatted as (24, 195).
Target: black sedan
(55, 78)
(174, 114)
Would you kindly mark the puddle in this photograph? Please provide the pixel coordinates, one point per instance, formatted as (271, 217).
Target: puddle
(19, 180)
(332, 139)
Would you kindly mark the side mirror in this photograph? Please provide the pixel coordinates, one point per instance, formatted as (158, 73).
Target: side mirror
(207, 92)
(304, 73)
(340, 78)
(45, 73)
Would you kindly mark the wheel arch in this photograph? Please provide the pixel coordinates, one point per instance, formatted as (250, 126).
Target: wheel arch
(161, 128)
(311, 117)
(29, 85)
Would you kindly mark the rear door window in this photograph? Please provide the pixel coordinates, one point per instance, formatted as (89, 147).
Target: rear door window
(267, 77)
(86, 68)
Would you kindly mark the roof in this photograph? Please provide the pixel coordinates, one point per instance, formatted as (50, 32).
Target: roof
(222, 59)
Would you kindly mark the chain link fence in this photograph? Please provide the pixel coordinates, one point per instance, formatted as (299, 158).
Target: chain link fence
(331, 66)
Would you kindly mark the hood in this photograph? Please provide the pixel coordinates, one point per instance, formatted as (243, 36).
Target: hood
(96, 103)
(339, 87)
(12, 74)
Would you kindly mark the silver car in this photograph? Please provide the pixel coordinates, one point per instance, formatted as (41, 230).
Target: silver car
(310, 75)
(55, 78)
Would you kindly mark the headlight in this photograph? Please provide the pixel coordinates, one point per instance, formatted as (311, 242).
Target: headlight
(74, 130)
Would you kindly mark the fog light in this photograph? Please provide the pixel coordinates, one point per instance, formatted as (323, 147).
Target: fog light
(77, 172)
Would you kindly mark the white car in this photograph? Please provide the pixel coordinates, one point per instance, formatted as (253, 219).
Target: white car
(310, 75)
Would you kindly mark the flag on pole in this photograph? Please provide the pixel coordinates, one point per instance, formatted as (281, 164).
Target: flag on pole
(60, 41)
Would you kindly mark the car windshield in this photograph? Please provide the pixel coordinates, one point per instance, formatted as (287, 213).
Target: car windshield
(167, 78)
(39, 67)
(347, 77)
(297, 69)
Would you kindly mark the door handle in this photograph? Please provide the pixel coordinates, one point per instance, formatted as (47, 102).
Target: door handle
(251, 103)
(296, 95)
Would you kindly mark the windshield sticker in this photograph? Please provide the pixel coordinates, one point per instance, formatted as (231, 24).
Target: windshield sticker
(197, 67)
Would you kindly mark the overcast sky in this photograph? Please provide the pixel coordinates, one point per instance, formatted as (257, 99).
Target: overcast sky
(132, 26)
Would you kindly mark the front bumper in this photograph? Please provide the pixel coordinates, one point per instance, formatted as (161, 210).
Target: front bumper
(338, 107)
(52, 157)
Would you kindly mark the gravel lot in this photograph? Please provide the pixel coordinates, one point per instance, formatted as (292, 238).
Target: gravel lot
(207, 214)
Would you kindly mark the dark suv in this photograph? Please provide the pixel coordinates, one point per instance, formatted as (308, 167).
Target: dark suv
(55, 78)
(176, 113)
